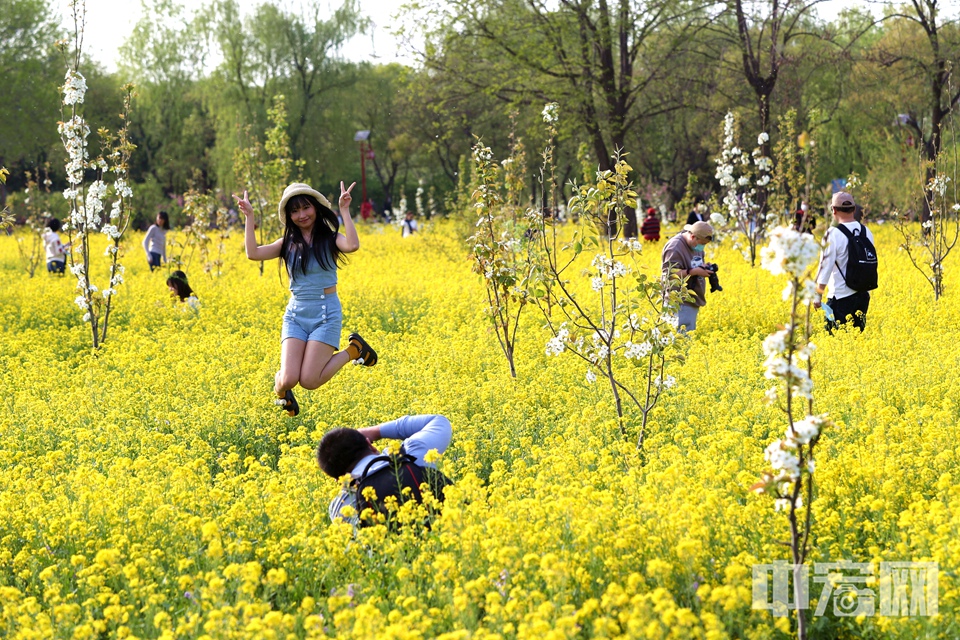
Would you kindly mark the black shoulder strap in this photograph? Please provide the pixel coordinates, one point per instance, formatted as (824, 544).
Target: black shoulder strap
(371, 463)
(843, 229)
(401, 458)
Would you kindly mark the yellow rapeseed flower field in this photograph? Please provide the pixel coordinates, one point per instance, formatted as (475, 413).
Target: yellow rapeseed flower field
(152, 490)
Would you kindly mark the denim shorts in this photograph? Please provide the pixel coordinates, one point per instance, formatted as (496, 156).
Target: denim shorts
(56, 266)
(317, 320)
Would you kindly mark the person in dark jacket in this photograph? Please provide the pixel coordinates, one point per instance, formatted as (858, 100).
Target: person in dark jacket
(700, 213)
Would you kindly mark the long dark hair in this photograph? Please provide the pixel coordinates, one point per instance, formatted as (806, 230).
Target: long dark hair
(324, 238)
(166, 220)
(178, 280)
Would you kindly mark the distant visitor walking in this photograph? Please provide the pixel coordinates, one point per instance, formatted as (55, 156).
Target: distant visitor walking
(848, 264)
(155, 242)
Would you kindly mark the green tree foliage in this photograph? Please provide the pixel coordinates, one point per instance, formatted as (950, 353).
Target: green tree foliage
(31, 72)
(297, 54)
(165, 56)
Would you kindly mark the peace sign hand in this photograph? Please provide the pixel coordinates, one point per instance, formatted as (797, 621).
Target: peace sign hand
(244, 203)
(345, 197)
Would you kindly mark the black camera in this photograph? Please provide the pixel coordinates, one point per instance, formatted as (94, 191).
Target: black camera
(714, 280)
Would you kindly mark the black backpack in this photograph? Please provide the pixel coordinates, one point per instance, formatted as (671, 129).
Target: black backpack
(401, 472)
(861, 272)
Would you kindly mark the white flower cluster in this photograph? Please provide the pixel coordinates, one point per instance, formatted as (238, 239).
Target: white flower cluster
(74, 133)
(551, 112)
(938, 184)
(117, 278)
(600, 348)
(782, 504)
(609, 268)
(74, 88)
(778, 366)
(717, 220)
(557, 344)
(482, 154)
(418, 199)
(667, 383)
(93, 206)
(637, 351)
(783, 454)
(635, 323)
(631, 244)
(789, 252)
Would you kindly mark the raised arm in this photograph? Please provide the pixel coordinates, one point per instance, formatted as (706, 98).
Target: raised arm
(255, 251)
(420, 434)
(347, 242)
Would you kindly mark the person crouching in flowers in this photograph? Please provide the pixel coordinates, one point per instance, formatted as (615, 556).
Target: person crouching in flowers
(311, 248)
(178, 286)
(346, 451)
(56, 250)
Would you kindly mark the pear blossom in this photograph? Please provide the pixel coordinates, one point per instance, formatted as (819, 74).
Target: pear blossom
(789, 252)
(551, 112)
(74, 87)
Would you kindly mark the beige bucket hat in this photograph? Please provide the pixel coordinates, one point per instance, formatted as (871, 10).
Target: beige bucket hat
(299, 189)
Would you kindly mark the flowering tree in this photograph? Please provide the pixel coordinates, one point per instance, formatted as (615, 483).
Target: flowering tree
(88, 202)
(789, 362)
(500, 247)
(743, 180)
(938, 234)
(629, 321)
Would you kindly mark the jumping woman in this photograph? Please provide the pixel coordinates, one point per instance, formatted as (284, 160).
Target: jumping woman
(311, 248)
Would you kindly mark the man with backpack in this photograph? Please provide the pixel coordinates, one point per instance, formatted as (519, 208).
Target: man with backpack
(375, 476)
(848, 263)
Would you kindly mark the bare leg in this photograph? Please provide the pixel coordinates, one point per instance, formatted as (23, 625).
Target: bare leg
(320, 363)
(291, 360)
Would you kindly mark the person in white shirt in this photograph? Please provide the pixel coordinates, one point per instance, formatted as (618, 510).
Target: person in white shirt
(56, 250)
(844, 302)
(155, 242)
(409, 225)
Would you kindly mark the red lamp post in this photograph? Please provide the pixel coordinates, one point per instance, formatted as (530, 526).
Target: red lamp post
(363, 137)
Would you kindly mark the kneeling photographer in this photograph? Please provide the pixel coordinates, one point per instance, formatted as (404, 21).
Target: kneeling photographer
(683, 258)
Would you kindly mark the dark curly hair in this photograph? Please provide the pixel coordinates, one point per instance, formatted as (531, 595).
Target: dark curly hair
(340, 450)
